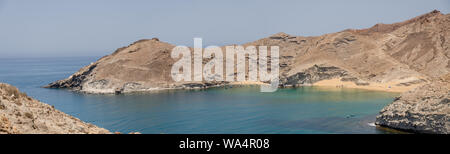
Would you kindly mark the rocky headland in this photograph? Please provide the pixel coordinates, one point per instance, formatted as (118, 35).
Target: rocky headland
(425, 109)
(396, 57)
(21, 114)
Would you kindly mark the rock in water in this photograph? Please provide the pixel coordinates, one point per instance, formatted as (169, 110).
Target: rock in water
(425, 109)
(20, 114)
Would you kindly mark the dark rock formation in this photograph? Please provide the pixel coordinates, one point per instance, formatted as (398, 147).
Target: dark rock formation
(314, 74)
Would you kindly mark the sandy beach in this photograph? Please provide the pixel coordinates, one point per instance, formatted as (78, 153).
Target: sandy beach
(389, 86)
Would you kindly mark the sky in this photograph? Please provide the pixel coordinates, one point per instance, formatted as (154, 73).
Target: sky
(63, 28)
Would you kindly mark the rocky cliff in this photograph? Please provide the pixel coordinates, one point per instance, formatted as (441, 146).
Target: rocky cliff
(425, 109)
(20, 114)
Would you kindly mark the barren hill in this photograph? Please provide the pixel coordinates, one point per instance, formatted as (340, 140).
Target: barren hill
(394, 57)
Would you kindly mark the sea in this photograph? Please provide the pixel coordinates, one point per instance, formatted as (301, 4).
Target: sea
(230, 110)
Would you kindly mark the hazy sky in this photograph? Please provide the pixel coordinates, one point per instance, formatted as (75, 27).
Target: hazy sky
(51, 28)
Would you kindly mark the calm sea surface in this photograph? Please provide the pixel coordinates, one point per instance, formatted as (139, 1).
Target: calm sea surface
(218, 110)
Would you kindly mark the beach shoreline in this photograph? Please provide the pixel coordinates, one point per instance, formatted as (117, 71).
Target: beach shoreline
(386, 87)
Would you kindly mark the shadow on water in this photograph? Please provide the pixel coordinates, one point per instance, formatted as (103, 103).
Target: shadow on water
(333, 125)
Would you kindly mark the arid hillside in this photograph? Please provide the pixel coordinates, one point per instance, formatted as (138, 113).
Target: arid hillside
(20, 114)
(391, 57)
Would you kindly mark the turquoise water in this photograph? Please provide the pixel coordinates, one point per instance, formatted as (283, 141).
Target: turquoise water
(218, 110)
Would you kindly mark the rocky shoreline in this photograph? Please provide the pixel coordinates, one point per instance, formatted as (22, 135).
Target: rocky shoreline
(21, 114)
(307, 77)
(425, 109)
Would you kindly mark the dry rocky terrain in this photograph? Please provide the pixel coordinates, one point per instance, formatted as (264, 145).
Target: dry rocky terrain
(405, 54)
(20, 114)
(398, 57)
(425, 109)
